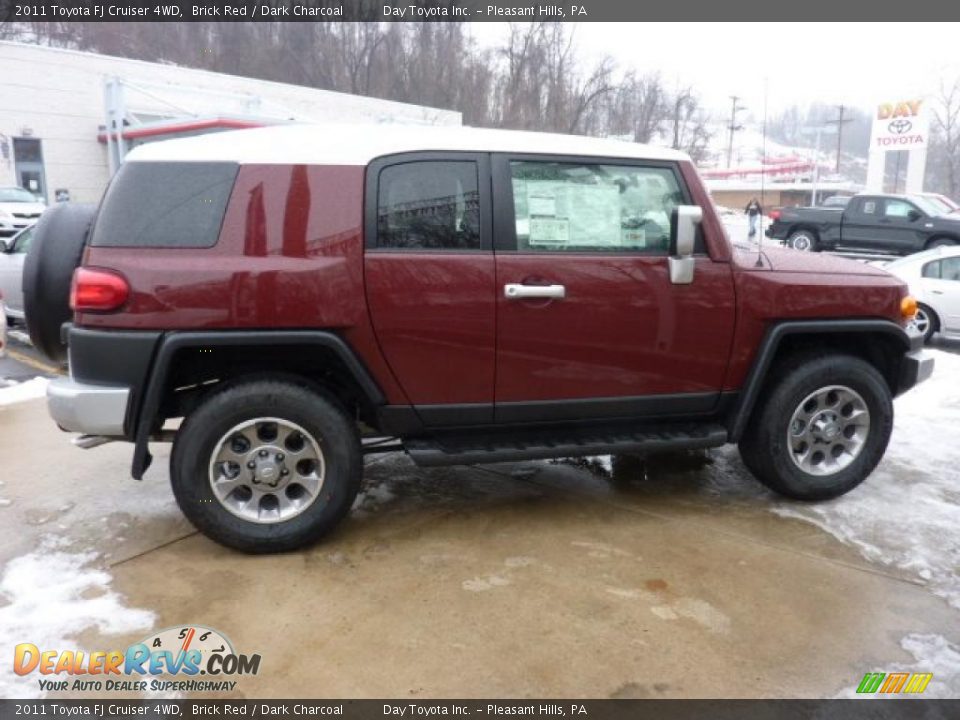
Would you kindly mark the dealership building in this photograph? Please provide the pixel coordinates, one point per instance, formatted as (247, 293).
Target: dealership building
(69, 118)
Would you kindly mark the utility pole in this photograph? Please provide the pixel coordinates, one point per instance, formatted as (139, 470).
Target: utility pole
(733, 127)
(839, 122)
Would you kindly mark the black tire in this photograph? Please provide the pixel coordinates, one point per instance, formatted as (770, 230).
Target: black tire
(764, 446)
(804, 240)
(932, 324)
(55, 252)
(941, 242)
(201, 432)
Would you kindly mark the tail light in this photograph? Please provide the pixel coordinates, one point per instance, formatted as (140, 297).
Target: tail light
(95, 290)
(774, 214)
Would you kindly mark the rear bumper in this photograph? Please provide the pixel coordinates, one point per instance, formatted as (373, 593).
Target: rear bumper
(776, 232)
(88, 409)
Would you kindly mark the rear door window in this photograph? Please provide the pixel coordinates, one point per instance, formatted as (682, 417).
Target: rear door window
(159, 204)
(429, 205)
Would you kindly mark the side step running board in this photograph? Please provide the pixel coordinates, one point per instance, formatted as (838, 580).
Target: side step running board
(509, 447)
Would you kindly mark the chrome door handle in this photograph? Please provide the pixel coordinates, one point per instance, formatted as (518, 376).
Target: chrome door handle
(516, 291)
(937, 292)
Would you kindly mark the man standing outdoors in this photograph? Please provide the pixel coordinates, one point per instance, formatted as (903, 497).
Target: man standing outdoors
(753, 211)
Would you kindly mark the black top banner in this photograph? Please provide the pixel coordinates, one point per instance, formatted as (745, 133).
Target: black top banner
(858, 13)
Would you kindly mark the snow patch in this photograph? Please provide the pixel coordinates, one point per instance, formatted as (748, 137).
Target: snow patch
(931, 654)
(484, 584)
(372, 498)
(21, 392)
(48, 598)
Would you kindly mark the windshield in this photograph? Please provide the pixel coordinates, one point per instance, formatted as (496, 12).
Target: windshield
(942, 205)
(928, 205)
(15, 194)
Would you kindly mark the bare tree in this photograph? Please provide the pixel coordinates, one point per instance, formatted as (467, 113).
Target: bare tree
(638, 107)
(946, 138)
(689, 124)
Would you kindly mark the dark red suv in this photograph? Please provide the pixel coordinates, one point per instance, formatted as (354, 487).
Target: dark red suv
(478, 295)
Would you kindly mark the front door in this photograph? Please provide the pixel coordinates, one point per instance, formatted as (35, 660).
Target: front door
(900, 226)
(588, 322)
(28, 162)
(941, 282)
(429, 275)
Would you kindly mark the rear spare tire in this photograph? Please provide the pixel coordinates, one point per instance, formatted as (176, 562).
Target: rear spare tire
(55, 252)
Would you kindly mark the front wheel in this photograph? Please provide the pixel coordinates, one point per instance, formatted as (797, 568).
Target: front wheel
(266, 466)
(822, 428)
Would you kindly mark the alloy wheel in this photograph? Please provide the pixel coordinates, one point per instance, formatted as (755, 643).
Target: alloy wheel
(828, 430)
(266, 470)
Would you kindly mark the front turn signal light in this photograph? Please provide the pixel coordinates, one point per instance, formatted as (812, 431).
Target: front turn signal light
(908, 307)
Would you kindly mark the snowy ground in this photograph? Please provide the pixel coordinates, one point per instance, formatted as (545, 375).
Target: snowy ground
(904, 520)
(21, 392)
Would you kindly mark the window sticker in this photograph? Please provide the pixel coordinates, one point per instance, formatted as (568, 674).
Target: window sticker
(549, 231)
(586, 208)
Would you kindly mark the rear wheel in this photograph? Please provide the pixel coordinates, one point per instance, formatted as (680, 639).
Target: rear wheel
(266, 466)
(803, 240)
(822, 427)
(940, 242)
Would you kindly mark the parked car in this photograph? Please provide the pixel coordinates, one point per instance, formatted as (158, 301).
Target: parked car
(895, 224)
(934, 279)
(3, 327)
(941, 201)
(14, 252)
(19, 208)
(477, 295)
(836, 201)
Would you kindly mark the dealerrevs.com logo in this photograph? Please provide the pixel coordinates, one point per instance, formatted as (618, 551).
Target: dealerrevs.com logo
(179, 659)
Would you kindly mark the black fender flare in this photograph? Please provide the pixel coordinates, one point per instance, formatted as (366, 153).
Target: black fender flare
(753, 383)
(172, 342)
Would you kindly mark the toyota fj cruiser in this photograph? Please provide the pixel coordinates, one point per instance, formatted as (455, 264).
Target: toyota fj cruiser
(478, 295)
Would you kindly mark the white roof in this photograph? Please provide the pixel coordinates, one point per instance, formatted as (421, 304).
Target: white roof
(359, 144)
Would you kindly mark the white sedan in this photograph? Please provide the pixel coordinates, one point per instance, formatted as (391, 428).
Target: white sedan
(3, 328)
(934, 280)
(13, 252)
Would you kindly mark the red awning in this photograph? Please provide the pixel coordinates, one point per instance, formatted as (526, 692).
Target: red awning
(174, 127)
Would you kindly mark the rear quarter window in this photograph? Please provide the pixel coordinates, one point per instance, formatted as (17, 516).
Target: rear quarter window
(157, 204)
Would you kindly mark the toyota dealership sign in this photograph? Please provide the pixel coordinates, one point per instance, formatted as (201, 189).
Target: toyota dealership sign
(900, 125)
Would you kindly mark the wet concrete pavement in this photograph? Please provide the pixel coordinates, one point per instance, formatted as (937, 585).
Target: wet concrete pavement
(671, 579)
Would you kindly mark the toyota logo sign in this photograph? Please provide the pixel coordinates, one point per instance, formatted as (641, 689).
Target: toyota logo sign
(900, 126)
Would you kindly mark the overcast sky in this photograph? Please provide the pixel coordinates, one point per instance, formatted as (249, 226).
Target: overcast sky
(859, 64)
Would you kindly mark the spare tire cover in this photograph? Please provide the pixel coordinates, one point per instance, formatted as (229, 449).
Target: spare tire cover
(55, 252)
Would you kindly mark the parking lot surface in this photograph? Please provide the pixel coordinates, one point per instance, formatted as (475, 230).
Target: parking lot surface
(676, 577)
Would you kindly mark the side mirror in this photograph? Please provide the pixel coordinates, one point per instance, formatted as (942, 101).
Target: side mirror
(683, 235)
(7, 245)
(914, 215)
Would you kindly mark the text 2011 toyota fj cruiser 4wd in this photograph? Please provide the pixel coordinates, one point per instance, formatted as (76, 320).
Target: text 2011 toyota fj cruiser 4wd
(478, 295)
